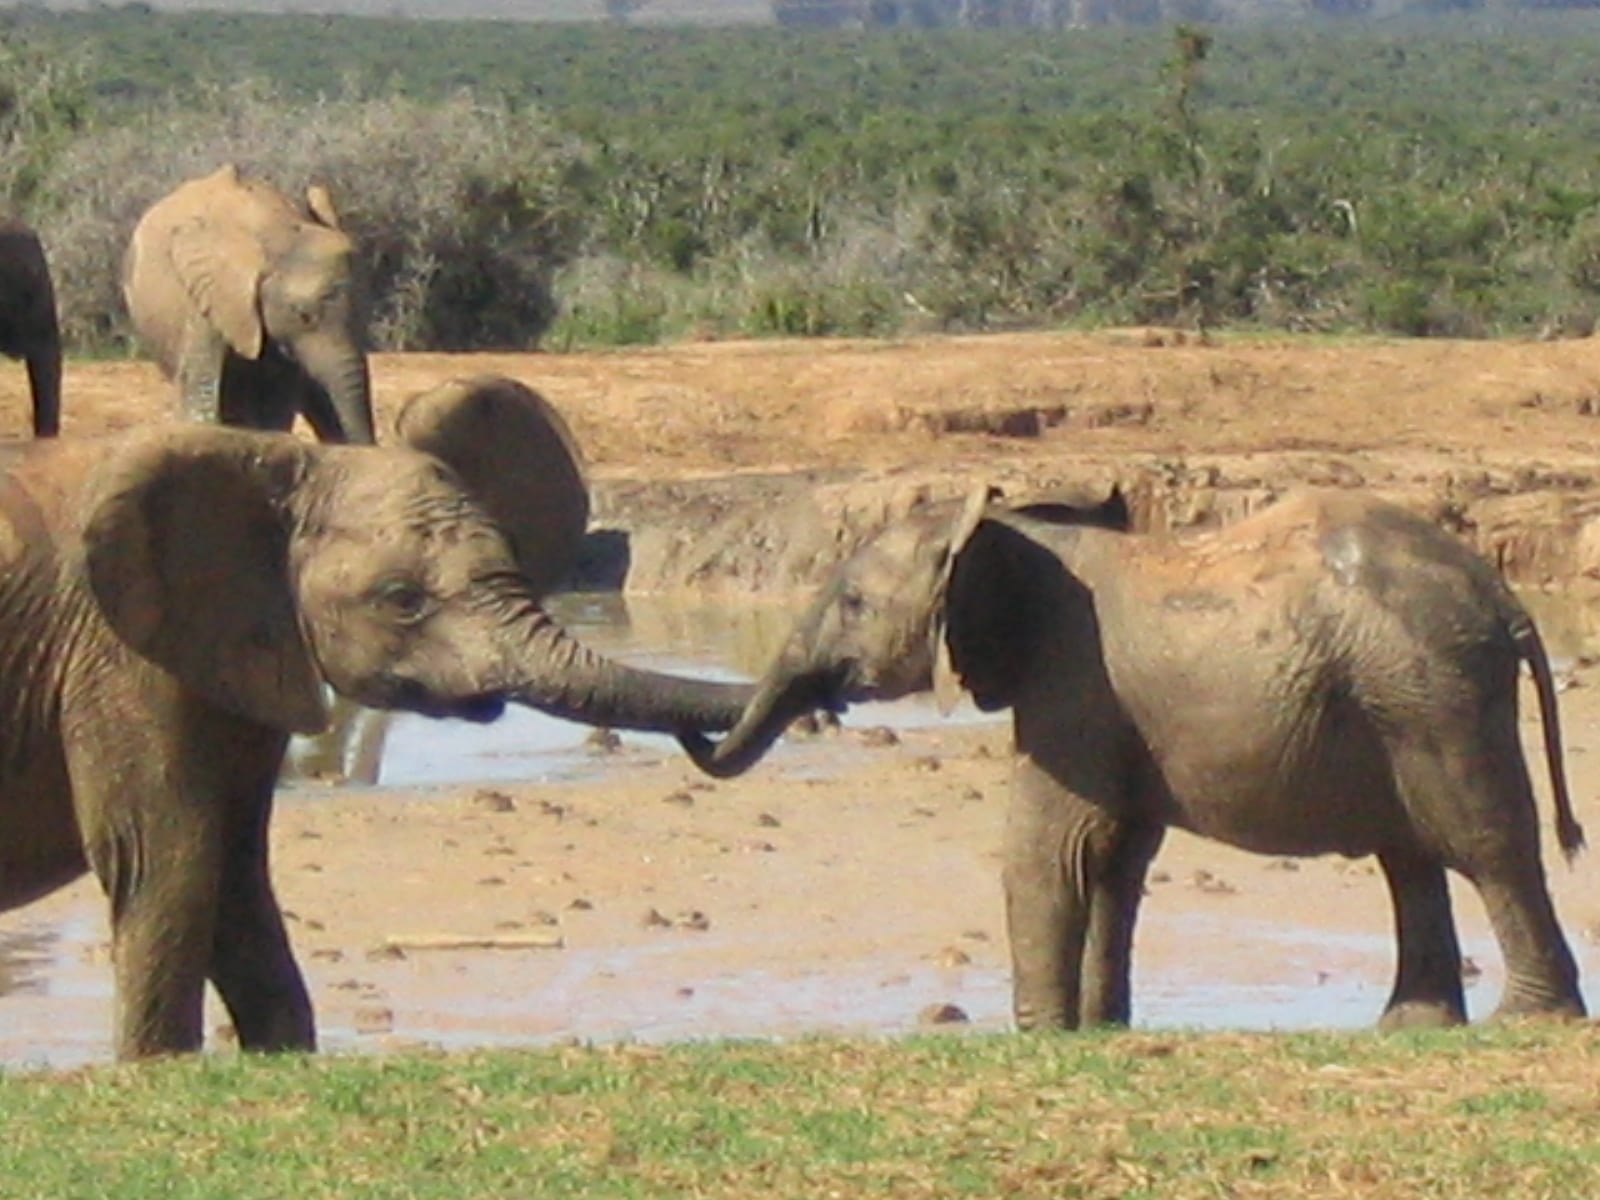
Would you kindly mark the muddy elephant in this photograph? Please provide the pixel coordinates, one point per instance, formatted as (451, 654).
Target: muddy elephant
(171, 604)
(250, 304)
(542, 471)
(28, 326)
(1331, 675)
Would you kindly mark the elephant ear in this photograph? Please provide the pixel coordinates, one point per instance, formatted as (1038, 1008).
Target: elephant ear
(1000, 579)
(517, 457)
(319, 203)
(186, 555)
(221, 268)
(946, 687)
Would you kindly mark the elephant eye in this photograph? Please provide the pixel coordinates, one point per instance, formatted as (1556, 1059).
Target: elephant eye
(404, 599)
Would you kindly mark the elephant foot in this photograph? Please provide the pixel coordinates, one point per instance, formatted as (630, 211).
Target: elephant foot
(1526, 1008)
(1420, 1014)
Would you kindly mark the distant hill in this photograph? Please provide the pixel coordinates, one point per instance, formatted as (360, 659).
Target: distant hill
(678, 12)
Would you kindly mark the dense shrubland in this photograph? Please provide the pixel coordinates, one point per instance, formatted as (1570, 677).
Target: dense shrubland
(519, 183)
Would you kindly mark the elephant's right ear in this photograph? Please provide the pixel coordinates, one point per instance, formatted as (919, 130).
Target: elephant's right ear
(319, 203)
(946, 684)
(999, 579)
(221, 269)
(186, 554)
(519, 460)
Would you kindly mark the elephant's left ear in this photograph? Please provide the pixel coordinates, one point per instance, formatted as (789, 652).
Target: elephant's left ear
(221, 268)
(186, 555)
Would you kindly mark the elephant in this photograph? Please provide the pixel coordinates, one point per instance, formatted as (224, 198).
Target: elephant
(251, 306)
(466, 420)
(174, 598)
(28, 326)
(1332, 674)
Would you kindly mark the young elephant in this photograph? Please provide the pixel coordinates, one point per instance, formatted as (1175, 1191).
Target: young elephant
(171, 603)
(1331, 675)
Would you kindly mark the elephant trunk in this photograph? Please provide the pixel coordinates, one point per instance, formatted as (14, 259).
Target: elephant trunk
(782, 696)
(339, 367)
(44, 381)
(557, 674)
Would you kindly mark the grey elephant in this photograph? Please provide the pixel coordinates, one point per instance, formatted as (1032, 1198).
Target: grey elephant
(1333, 674)
(28, 325)
(506, 431)
(251, 305)
(171, 604)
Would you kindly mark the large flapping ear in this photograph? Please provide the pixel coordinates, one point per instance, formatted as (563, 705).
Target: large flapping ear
(1001, 585)
(221, 268)
(517, 457)
(319, 203)
(186, 554)
(946, 684)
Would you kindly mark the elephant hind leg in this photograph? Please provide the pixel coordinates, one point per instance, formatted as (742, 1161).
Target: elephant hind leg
(1479, 810)
(1427, 987)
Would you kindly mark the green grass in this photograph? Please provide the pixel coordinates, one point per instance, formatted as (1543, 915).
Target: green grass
(1509, 1112)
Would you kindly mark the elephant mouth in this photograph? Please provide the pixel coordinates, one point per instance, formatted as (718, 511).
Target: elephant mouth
(411, 696)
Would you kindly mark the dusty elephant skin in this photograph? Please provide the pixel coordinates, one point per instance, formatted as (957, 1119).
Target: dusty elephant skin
(1331, 675)
(172, 603)
(28, 326)
(249, 304)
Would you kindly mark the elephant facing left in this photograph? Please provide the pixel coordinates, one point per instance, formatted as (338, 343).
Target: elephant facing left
(250, 304)
(28, 325)
(172, 602)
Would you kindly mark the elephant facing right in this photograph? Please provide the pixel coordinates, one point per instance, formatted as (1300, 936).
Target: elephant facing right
(1333, 674)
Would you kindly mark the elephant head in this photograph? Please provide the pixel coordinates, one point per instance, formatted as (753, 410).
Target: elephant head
(245, 299)
(255, 566)
(883, 624)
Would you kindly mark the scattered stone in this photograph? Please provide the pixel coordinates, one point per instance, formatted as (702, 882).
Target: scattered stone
(328, 954)
(540, 917)
(493, 800)
(685, 993)
(942, 1014)
(1203, 880)
(314, 925)
(385, 953)
(692, 919)
(656, 919)
(759, 846)
(579, 904)
(922, 810)
(374, 1018)
(971, 793)
(603, 741)
(928, 764)
(975, 935)
(492, 881)
(551, 809)
(1283, 864)
(952, 957)
(1160, 877)
(879, 736)
(767, 821)
(309, 835)
(683, 797)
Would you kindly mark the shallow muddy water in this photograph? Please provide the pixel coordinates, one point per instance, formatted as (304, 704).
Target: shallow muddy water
(55, 982)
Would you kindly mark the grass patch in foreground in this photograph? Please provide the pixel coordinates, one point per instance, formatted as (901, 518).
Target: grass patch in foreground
(1507, 1112)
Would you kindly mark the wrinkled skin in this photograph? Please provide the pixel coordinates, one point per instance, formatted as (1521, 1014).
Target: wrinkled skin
(28, 327)
(508, 432)
(172, 603)
(250, 305)
(1331, 675)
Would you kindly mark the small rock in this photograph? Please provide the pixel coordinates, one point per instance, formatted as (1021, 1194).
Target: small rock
(767, 821)
(375, 1018)
(491, 881)
(656, 919)
(1283, 864)
(971, 793)
(388, 952)
(975, 935)
(758, 846)
(952, 957)
(928, 763)
(603, 741)
(1160, 877)
(942, 1014)
(1203, 880)
(879, 735)
(493, 800)
(579, 904)
(692, 919)
(685, 993)
(682, 797)
(328, 954)
(540, 917)
(551, 809)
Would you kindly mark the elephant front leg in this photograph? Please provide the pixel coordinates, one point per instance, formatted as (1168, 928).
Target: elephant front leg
(163, 904)
(1121, 856)
(1047, 898)
(1427, 987)
(252, 964)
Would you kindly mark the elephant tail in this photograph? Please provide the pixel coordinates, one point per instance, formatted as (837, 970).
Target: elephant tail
(1531, 646)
